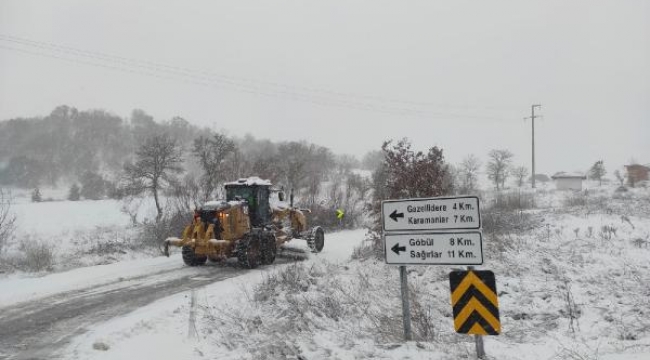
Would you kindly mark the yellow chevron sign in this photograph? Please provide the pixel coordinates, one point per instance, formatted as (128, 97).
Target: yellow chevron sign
(475, 302)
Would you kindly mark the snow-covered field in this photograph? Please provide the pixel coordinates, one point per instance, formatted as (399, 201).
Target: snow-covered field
(76, 233)
(572, 278)
(572, 285)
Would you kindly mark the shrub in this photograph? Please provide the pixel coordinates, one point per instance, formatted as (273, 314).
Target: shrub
(34, 256)
(74, 193)
(511, 201)
(591, 201)
(506, 222)
(153, 233)
(36, 195)
(575, 199)
(7, 219)
(406, 173)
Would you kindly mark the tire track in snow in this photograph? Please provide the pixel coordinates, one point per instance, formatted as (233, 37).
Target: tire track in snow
(37, 329)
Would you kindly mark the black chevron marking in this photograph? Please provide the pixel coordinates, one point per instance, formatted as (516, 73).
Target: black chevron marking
(474, 292)
(455, 278)
(486, 276)
(473, 318)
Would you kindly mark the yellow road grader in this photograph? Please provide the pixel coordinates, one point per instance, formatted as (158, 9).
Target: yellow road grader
(245, 226)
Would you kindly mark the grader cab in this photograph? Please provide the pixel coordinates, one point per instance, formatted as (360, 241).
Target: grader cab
(246, 226)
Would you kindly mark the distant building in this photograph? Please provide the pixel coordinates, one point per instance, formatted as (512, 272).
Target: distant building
(540, 178)
(568, 181)
(636, 173)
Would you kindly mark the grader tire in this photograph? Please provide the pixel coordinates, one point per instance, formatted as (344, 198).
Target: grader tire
(190, 258)
(249, 252)
(269, 250)
(316, 240)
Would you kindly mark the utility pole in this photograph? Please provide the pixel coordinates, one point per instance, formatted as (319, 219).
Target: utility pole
(532, 118)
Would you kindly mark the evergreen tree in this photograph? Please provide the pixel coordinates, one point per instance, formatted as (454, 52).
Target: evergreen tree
(597, 171)
(74, 193)
(93, 186)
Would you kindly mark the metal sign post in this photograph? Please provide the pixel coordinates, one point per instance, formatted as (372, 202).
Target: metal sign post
(406, 307)
(478, 340)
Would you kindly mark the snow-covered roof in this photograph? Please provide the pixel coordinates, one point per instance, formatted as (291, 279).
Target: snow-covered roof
(219, 205)
(638, 166)
(253, 180)
(569, 175)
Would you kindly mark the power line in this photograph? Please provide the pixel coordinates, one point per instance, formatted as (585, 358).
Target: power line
(213, 80)
(186, 72)
(104, 56)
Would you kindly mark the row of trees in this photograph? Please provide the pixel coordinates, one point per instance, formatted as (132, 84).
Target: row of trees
(160, 165)
(597, 172)
(101, 155)
(498, 169)
(68, 143)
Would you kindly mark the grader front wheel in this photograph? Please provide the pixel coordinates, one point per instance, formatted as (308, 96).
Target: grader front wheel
(190, 258)
(316, 240)
(249, 252)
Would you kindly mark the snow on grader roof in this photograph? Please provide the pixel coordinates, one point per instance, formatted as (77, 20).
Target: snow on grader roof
(253, 180)
(216, 205)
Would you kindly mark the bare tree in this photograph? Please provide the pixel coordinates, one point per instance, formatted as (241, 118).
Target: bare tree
(345, 163)
(498, 168)
(357, 189)
(619, 177)
(293, 159)
(321, 161)
(372, 160)
(235, 165)
(520, 173)
(186, 194)
(156, 161)
(212, 153)
(7, 219)
(267, 167)
(468, 173)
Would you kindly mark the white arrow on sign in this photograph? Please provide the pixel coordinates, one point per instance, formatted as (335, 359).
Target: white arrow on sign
(442, 213)
(454, 248)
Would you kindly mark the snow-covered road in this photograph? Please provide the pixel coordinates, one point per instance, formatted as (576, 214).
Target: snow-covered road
(40, 316)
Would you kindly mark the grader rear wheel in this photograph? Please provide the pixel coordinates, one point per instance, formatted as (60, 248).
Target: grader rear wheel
(249, 252)
(269, 250)
(190, 258)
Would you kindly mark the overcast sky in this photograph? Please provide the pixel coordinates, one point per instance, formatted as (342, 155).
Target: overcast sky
(349, 74)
